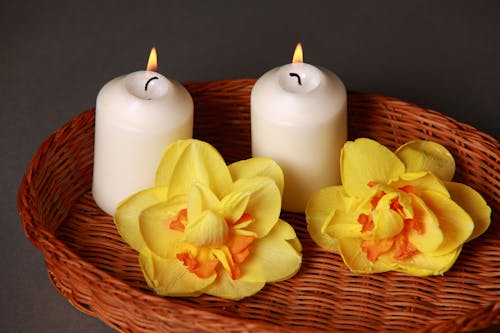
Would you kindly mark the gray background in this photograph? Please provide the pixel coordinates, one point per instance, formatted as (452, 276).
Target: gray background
(55, 56)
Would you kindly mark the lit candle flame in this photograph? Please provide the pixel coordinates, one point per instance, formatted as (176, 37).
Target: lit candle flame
(298, 56)
(152, 61)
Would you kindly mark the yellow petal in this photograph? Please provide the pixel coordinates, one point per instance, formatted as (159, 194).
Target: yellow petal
(423, 265)
(296, 244)
(147, 267)
(169, 277)
(234, 205)
(421, 181)
(454, 222)
(273, 258)
(258, 167)
(200, 199)
(474, 204)
(228, 288)
(341, 225)
(356, 260)
(285, 231)
(320, 209)
(223, 255)
(188, 161)
(169, 161)
(365, 161)
(432, 236)
(154, 224)
(387, 223)
(420, 155)
(209, 229)
(264, 203)
(127, 213)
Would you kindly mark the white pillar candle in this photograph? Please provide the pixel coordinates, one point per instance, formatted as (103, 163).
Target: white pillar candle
(137, 116)
(299, 119)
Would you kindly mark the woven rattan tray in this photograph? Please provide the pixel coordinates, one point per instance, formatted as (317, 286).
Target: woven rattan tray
(98, 273)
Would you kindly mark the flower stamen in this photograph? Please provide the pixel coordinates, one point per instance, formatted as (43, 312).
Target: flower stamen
(376, 198)
(202, 268)
(374, 248)
(179, 222)
(410, 189)
(204, 260)
(416, 225)
(366, 221)
(400, 243)
(239, 247)
(404, 249)
(396, 206)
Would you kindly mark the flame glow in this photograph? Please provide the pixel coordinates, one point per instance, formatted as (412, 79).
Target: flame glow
(298, 56)
(152, 61)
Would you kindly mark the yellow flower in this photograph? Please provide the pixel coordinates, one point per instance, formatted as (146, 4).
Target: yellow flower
(396, 211)
(209, 228)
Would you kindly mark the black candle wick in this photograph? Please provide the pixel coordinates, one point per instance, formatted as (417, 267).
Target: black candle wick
(297, 76)
(151, 79)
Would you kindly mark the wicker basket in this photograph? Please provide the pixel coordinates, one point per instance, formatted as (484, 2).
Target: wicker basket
(98, 273)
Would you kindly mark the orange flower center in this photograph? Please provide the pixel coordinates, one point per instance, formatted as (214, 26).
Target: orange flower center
(400, 243)
(205, 262)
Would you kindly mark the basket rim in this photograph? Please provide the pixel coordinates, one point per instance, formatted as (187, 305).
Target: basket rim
(45, 238)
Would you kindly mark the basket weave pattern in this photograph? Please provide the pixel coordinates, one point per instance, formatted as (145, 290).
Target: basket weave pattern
(98, 273)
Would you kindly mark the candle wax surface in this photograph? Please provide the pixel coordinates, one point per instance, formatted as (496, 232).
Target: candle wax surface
(302, 126)
(134, 126)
